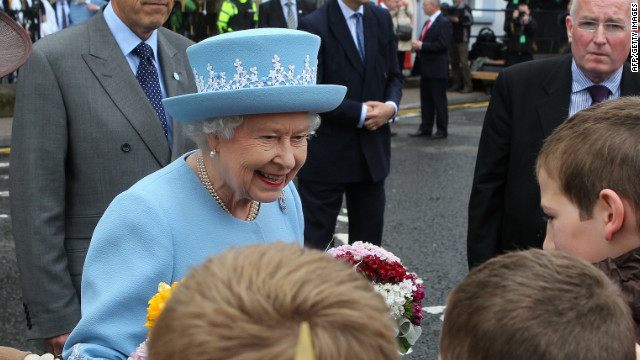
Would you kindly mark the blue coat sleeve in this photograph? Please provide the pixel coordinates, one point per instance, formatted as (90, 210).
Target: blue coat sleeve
(130, 253)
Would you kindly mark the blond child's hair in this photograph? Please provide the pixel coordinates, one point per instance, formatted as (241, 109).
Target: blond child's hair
(249, 302)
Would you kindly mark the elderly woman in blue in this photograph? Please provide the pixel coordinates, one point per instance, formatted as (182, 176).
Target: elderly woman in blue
(252, 114)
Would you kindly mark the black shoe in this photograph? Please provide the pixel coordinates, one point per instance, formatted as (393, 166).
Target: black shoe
(419, 133)
(438, 135)
(394, 133)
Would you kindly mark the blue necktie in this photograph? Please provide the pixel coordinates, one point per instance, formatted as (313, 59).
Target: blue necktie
(147, 76)
(359, 34)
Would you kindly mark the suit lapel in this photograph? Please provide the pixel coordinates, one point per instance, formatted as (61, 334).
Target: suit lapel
(553, 109)
(371, 31)
(276, 8)
(340, 30)
(111, 69)
(170, 67)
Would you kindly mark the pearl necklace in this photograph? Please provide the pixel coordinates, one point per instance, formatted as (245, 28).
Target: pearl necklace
(204, 178)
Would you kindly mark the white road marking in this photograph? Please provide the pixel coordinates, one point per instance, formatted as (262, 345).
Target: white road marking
(435, 310)
(341, 238)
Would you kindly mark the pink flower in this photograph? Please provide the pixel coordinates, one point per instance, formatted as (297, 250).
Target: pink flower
(140, 353)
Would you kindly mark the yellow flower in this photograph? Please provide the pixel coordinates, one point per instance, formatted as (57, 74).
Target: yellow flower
(157, 303)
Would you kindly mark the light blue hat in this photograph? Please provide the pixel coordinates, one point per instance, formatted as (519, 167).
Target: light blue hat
(256, 71)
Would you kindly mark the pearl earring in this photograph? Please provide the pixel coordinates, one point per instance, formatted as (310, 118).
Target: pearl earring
(212, 154)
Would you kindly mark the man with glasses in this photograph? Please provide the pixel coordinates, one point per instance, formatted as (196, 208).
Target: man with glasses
(529, 101)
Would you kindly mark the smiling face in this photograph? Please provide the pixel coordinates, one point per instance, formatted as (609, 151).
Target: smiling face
(583, 238)
(264, 154)
(143, 16)
(599, 54)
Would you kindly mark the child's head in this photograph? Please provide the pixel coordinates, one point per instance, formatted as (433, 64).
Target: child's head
(249, 302)
(589, 171)
(537, 304)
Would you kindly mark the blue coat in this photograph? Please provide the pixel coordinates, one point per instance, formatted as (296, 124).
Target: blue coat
(156, 231)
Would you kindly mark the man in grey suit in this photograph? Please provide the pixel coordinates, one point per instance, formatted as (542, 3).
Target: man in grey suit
(84, 130)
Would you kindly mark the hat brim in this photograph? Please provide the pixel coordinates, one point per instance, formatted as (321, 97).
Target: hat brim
(15, 44)
(262, 100)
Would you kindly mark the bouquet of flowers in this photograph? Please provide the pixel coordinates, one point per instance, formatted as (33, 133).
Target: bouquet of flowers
(156, 305)
(402, 291)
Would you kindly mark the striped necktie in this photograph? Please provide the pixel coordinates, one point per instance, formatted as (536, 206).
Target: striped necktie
(359, 34)
(291, 19)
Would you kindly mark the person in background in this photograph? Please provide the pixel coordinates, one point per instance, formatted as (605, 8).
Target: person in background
(432, 63)
(237, 15)
(251, 129)
(520, 29)
(284, 13)
(528, 102)
(346, 318)
(536, 304)
(403, 16)
(461, 19)
(82, 10)
(351, 152)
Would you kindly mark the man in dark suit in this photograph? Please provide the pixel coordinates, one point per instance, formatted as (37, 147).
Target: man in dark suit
(84, 130)
(351, 151)
(432, 64)
(284, 13)
(528, 102)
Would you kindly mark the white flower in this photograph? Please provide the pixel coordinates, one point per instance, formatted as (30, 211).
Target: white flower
(395, 295)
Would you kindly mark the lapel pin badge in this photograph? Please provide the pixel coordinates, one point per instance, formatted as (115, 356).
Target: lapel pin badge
(176, 76)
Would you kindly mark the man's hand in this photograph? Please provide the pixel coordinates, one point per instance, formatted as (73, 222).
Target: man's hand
(93, 7)
(56, 343)
(378, 114)
(416, 45)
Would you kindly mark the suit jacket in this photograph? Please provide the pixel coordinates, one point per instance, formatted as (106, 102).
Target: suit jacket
(529, 101)
(83, 132)
(341, 152)
(434, 54)
(270, 13)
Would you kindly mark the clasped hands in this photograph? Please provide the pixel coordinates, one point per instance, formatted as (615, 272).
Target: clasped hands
(378, 113)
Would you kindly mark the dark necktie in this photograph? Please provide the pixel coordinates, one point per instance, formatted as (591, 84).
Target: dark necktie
(291, 20)
(359, 34)
(147, 76)
(598, 93)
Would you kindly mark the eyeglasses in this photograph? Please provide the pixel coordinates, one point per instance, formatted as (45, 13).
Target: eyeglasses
(609, 28)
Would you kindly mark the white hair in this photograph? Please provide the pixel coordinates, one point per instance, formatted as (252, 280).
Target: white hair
(223, 127)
